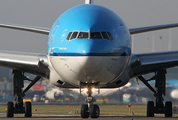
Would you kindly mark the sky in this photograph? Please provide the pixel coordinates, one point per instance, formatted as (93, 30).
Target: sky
(43, 13)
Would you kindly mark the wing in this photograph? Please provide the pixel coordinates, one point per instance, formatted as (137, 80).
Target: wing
(32, 63)
(151, 62)
(151, 28)
(27, 28)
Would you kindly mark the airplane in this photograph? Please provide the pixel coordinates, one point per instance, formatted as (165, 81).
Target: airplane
(89, 47)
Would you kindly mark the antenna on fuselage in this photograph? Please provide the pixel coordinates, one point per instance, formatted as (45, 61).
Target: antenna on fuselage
(88, 1)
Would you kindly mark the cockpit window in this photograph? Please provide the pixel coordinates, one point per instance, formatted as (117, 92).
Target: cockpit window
(83, 35)
(68, 37)
(95, 35)
(74, 35)
(110, 36)
(105, 36)
(87, 35)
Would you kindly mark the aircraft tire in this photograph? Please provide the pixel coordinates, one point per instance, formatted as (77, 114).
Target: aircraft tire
(168, 109)
(150, 109)
(28, 109)
(10, 109)
(94, 111)
(84, 111)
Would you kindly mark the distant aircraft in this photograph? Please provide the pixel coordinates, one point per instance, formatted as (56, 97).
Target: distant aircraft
(89, 47)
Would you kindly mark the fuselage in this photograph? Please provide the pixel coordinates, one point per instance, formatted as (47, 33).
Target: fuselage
(89, 43)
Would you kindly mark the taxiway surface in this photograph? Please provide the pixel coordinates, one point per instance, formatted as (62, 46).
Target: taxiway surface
(77, 117)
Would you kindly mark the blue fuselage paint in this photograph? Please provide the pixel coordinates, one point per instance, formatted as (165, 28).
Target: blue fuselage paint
(89, 60)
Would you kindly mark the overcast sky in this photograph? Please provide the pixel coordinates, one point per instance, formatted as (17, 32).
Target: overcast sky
(43, 13)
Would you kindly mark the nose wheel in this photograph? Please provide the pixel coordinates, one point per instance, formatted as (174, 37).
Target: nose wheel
(84, 111)
(94, 111)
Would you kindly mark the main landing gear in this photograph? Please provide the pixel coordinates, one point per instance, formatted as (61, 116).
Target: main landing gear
(90, 108)
(18, 108)
(158, 107)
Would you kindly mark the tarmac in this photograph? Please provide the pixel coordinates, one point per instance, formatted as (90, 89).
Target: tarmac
(77, 117)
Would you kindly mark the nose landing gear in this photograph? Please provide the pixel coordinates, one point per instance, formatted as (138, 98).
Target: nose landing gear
(90, 108)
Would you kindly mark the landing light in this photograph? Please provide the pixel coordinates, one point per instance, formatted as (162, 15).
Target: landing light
(86, 90)
(93, 89)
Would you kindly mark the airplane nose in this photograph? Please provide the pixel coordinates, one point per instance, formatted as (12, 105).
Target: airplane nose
(89, 54)
(89, 48)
